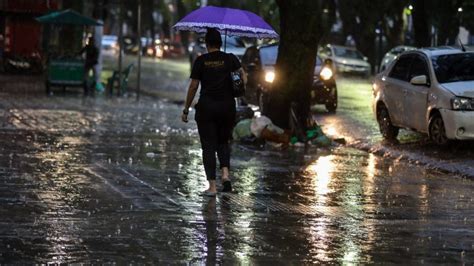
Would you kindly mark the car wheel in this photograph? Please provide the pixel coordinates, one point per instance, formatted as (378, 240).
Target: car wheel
(331, 105)
(387, 129)
(437, 130)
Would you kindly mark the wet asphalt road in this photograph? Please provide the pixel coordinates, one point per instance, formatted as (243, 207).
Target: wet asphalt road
(115, 181)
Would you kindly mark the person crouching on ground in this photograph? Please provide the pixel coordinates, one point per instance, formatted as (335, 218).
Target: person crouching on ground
(215, 110)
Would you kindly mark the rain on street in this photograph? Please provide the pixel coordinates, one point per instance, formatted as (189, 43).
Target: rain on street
(100, 180)
(98, 167)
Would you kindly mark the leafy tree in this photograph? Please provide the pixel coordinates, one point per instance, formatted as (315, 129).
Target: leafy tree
(441, 14)
(393, 23)
(467, 16)
(360, 21)
(447, 20)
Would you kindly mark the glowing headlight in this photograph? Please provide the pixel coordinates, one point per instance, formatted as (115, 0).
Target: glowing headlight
(326, 73)
(462, 103)
(159, 51)
(270, 76)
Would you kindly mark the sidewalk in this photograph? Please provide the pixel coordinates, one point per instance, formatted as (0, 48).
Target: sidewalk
(98, 180)
(22, 84)
(166, 80)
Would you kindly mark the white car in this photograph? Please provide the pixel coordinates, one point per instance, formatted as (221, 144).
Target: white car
(430, 91)
(346, 60)
(109, 45)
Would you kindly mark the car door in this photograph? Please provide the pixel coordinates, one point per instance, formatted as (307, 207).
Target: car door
(394, 90)
(416, 96)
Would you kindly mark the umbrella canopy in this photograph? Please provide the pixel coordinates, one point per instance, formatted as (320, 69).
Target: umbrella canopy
(67, 17)
(228, 21)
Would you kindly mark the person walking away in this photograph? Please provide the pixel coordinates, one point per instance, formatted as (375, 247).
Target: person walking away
(215, 110)
(92, 58)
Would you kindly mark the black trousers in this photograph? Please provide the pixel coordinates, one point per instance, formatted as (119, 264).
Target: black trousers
(215, 120)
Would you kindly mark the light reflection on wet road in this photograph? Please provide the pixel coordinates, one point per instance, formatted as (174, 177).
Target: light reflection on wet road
(99, 180)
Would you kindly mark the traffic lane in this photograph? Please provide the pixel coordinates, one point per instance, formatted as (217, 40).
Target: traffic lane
(127, 188)
(163, 78)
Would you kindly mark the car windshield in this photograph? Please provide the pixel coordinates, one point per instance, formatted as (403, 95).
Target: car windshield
(454, 67)
(348, 53)
(269, 55)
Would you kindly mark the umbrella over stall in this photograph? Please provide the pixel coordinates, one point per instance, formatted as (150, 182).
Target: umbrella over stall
(68, 17)
(228, 21)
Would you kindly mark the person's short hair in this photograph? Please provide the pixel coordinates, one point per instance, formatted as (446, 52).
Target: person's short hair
(213, 38)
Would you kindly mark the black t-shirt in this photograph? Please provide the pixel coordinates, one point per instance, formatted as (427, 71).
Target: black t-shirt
(213, 71)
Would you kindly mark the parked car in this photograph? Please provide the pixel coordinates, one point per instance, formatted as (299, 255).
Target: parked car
(392, 55)
(232, 44)
(347, 60)
(172, 49)
(430, 91)
(259, 63)
(109, 44)
(154, 48)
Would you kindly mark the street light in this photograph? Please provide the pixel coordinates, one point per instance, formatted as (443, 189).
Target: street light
(410, 7)
(460, 9)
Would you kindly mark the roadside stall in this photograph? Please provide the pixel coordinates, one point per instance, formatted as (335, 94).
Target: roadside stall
(63, 39)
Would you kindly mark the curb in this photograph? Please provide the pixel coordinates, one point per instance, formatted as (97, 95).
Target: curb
(464, 170)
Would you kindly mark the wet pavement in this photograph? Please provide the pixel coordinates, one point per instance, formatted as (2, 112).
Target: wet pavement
(97, 180)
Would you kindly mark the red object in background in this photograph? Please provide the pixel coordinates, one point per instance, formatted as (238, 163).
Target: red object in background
(22, 36)
(22, 31)
(30, 6)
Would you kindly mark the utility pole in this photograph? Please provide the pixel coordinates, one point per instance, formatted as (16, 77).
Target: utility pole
(139, 29)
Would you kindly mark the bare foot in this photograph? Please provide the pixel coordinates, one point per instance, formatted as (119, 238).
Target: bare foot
(225, 174)
(212, 186)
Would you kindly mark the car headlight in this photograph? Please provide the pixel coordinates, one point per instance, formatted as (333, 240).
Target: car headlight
(326, 73)
(270, 76)
(459, 103)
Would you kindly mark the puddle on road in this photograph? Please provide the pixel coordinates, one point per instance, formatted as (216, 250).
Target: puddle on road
(100, 197)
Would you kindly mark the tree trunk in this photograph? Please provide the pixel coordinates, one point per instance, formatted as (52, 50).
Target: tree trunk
(365, 41)
(421, 24)
(301, 30)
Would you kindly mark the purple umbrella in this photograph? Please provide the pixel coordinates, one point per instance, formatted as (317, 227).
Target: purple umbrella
(228, 21)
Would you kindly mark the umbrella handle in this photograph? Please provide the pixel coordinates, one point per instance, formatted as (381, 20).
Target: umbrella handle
(225, 40)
